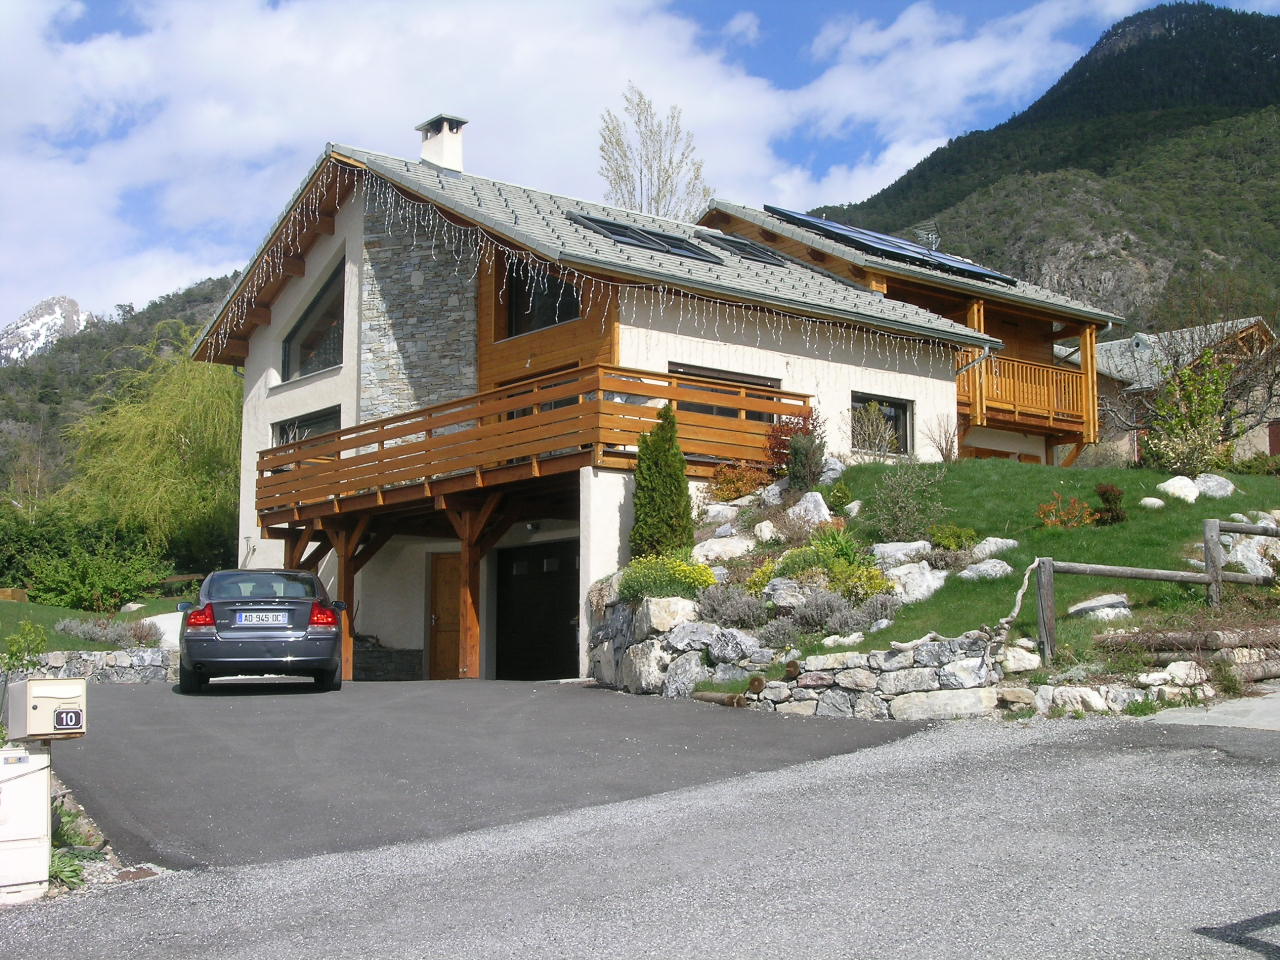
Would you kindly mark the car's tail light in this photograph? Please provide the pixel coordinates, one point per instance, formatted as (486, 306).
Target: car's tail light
(322, 616)
(201, 617)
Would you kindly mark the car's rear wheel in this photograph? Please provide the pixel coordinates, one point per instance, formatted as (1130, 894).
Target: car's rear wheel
(189, 681)
(329, 679)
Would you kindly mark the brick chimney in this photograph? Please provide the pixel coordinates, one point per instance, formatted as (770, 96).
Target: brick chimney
(442, 141)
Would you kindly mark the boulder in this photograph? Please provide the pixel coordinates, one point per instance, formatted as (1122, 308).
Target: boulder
(908, 681)
(730, 646)
(725, 530)
(765, 531)
(898, 552)
(1119, 697)
(729, 673)
(1250, 553)
(685, 672)
(131, 607)
(833, 661)
(1016, 696)
(745, 501)
(801, 694)
(643, 667)
(1079, 698)
(856, 678)
(992, 569)
(913, 582)
(1107, 606)
(799, 708)
(694, 635)
(1044, 698)
(772, 494)
(1186, 673)
(934, 653)
(601, 666)
(867, 706)
(718, 549)
(945, 704)
(720, 513)
(1151, 503)
(835, 703)
(1017, 660)
(832, 468)
(1214, 486)
(819, 678)
(810, 511)
(966, 673)
(1181, 488)
(896, 658)
(991, 546)
(775, 691)
(785, 594)
(662, 614)
(882, 624)
(720, 573)
(853, 509)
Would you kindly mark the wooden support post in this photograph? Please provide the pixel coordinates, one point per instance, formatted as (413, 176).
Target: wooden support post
(1213, 561)
(1046, 609)
(478, 530)
(976, 320)
(1089, 367)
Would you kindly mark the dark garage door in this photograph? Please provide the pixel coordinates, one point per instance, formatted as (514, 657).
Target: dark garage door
(537, 607)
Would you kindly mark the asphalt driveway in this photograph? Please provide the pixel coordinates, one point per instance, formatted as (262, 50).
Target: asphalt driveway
(261, 772)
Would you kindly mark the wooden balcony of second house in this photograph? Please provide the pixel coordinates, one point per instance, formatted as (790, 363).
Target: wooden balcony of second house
(1026, 395)
(554, 424)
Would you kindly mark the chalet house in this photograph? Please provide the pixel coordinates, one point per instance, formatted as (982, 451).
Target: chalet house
(446, 378)
(1024, 403)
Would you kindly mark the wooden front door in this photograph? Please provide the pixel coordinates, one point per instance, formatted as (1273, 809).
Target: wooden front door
(442, 663)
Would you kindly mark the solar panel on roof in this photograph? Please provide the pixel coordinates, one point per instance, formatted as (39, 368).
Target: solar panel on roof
(895, 248)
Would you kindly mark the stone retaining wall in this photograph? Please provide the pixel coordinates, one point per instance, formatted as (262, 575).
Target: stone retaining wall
(131, 665)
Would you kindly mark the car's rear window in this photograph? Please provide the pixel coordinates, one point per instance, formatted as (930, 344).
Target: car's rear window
(239, 585)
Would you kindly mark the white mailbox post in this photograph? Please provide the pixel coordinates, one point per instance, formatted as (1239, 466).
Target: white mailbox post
(39, 711)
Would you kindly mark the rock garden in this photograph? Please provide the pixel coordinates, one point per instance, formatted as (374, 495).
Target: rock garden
(896, 591)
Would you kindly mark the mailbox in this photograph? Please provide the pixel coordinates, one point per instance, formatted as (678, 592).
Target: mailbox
(49, 709)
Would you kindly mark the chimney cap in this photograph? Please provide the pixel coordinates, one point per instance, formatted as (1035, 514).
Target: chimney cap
(436, 124)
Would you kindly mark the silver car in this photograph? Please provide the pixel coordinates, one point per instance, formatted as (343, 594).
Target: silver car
(261, 623)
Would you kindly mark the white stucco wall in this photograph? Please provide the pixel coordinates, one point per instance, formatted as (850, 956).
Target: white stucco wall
(267, 400)
(1008, 440)
(829, 371)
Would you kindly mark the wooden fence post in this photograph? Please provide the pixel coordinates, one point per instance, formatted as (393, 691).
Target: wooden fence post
(1047, 611)
(1213, 561)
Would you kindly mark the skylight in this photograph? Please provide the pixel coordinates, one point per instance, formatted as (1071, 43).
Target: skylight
(645, 239)
(747, 249)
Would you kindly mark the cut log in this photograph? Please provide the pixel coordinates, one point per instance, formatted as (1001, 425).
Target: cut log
(1262, 670)
(1209, 640)
(793, 669)
(724, 699)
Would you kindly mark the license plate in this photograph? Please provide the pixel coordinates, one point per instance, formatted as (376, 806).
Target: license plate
(247, 619)
(68, 719)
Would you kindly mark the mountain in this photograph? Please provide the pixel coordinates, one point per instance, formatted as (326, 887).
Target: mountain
(39, 327)
(1145, 179)
(42, 395)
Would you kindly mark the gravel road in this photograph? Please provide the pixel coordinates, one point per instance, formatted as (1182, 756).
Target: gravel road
(1093, 838)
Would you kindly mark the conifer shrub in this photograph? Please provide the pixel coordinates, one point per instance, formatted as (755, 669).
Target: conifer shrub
(664, 575)
(804, 466)
(663, 511)
(1112, 511)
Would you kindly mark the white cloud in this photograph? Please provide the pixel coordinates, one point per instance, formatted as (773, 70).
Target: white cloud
(130, 165)
(744, 27)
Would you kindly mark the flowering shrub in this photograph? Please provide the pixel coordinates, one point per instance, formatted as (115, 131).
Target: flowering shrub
(734, 480)
(760, 579)
(663, 575)
(114, 633)
(732, 606)
(783, 429)
(949, 536)
(1073, 513)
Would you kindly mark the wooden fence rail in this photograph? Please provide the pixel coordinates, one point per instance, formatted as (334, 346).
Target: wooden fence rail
(1212, 579)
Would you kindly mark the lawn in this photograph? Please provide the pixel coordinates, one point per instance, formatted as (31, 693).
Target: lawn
(999, 498)
(12, 613)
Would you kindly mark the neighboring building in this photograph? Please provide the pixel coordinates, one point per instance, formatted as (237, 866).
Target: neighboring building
(1136, 366)
(1023, 404)
(446, 378)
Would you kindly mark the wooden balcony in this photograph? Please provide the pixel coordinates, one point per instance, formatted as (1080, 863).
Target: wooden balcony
(1027, 395)
(588, 416)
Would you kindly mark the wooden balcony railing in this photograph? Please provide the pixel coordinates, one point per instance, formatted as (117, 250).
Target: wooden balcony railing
(1022, 392)
(586, 416)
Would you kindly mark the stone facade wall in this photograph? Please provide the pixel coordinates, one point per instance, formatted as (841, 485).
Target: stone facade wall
(417, 321)
(130, 665)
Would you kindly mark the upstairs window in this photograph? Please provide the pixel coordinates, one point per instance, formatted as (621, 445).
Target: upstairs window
(539, 301)
(315, 342)
(897, 415)
(308, 425)
(646, 239)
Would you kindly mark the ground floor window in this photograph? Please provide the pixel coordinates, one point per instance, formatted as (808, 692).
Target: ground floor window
(895, 435)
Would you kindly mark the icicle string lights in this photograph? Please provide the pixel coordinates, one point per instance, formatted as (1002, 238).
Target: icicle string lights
(639, 303)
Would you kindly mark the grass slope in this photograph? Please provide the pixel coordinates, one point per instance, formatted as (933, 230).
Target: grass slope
(999, 498)
(12, 613)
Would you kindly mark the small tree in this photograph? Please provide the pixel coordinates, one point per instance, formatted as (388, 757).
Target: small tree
(873, 437)
(1192, 420)
(648, 163)
(663, 511)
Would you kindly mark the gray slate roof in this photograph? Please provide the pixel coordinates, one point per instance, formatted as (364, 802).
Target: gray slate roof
(1140, 360)
(538, 221)
(1024, 293)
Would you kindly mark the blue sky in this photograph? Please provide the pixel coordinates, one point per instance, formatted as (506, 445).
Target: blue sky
(145, 144)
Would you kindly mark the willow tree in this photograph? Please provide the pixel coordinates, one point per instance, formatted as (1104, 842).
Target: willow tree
(164, 453)
(648, 162)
